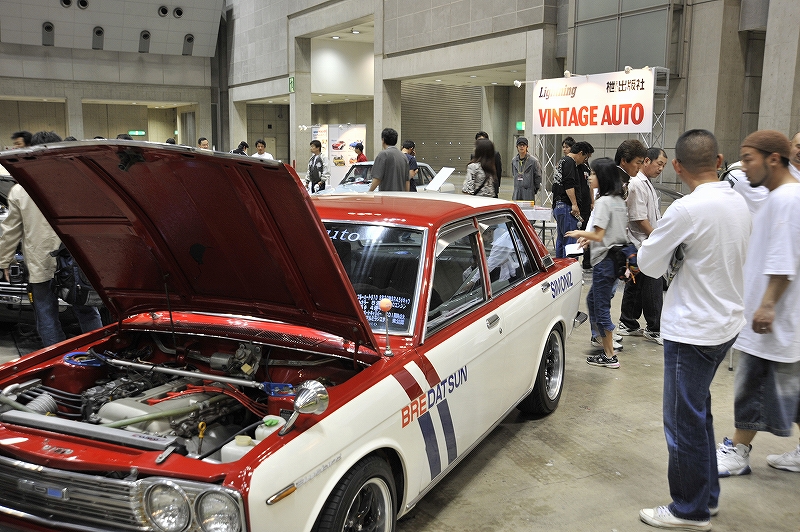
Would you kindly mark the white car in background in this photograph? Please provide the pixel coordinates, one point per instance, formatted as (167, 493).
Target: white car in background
(359, 177)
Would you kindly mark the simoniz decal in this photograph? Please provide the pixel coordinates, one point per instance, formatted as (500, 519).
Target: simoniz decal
(423, 402)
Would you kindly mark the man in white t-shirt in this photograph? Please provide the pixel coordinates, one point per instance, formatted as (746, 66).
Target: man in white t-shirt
(260, 153)
(767, 384)
(703, 313)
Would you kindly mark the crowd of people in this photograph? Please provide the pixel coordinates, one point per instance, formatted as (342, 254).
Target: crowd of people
(731, 250)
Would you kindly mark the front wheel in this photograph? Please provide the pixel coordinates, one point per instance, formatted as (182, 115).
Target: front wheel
(364, 500)
(549, 380)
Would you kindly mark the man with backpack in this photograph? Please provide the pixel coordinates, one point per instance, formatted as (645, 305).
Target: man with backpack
(26, 223)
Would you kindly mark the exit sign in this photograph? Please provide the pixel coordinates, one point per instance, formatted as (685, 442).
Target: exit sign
(135, 133)
(521, 126)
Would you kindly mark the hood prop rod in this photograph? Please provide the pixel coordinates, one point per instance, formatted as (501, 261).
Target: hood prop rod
(169, 309)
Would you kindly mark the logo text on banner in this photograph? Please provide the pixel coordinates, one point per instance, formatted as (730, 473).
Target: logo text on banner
(614, 102)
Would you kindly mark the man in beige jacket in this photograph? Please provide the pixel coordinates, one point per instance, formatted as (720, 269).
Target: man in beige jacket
(26, 223)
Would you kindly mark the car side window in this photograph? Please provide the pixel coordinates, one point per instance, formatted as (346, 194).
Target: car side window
(425, 176)
(508, 259)
(457, 277)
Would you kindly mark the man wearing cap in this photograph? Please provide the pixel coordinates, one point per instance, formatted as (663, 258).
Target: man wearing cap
(527, 173)
(767, 383)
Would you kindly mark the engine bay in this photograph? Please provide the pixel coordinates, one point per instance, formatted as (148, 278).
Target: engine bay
(198, 398)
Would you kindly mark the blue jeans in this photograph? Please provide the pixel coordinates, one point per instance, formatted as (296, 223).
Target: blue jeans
(689, 427)
(564, 222)
(45, 309)
(598, 301)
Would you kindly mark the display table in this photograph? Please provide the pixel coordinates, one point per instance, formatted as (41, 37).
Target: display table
(537, 214)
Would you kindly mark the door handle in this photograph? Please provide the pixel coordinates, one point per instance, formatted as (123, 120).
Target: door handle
(545, 286)
(492, 320)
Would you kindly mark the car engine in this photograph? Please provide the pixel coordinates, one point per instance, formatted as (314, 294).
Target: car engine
(192, 399)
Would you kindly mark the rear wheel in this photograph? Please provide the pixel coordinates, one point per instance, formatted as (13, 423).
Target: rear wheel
(549, 380)
(364, 500)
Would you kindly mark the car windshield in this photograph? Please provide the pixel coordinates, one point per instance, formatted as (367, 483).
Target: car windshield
(381, 262)
(358, 174)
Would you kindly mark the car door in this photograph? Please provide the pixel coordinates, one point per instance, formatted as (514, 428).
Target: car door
(458, 351)
(523, 298)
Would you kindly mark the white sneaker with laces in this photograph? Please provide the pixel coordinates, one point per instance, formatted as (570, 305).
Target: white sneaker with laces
(733, 461)
(624, 331)
(787, 461)
(661, 517)
(653, 336)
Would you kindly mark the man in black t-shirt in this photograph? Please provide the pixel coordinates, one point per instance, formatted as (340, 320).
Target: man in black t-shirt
(566, 205)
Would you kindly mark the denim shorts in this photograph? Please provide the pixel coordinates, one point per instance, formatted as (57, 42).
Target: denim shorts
(767, 395)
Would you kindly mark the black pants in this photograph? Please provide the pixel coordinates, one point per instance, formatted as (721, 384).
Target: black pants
(645, 296)
(587, 265)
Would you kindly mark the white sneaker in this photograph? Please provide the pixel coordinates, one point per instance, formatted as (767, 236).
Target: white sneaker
(787, 461)
(653, 336)
(624, 331)
(661, 517)
(733, 461)
(617, 338)
(597, 344)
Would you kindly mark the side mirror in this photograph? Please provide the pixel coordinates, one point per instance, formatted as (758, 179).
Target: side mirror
(311, 398)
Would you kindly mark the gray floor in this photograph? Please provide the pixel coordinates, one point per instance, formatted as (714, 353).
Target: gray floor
(593, 463)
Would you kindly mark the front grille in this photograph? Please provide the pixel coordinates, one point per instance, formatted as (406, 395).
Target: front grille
(66, 497)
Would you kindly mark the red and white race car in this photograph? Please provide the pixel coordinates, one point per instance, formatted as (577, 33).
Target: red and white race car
(279, 363)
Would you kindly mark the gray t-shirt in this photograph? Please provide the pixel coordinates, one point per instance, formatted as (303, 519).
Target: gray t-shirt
(610, 213)
(391, 169)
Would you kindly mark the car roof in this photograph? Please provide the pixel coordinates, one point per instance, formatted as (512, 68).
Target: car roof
(404, 208)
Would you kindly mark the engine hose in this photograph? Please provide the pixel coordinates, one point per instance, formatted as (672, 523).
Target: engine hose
(15, 405)
(166, 413)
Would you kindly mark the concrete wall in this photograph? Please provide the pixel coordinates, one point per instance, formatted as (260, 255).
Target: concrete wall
(271, 123)
(31, 116)
(419, 24)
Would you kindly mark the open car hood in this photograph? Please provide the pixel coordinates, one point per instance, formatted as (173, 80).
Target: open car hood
(219, 233)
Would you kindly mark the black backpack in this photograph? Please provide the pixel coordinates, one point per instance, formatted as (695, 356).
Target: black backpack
(70, 283)
(625, 263)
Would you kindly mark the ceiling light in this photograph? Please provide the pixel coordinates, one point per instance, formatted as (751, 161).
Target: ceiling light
(473, 76)
(494, 83)
(437, 80)
(269, 101)
(354, 32)
(335, 37)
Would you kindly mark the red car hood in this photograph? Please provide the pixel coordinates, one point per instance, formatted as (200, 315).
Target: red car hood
(219, 233)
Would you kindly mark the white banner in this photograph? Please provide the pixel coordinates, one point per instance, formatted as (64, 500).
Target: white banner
(613, 102)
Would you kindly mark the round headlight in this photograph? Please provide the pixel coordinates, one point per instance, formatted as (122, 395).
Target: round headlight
(218, 512)
(168, 507)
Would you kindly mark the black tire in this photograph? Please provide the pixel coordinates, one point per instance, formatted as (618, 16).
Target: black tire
(364, 500)
(546, 392)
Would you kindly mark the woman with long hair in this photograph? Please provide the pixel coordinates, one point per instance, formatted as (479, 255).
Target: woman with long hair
(481, 177)
(610, 219)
